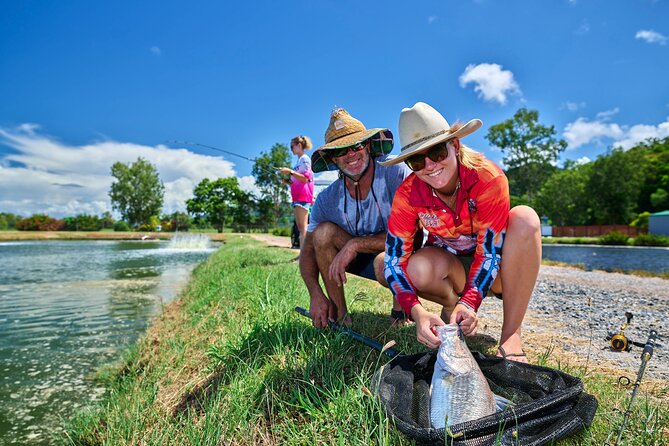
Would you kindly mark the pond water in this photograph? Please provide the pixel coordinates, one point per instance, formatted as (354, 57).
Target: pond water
(67, 307)
(610, 258)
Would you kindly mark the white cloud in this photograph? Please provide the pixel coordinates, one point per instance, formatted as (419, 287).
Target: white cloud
(43, 175)
(606, 115)
(572, 106)
(583, 160)
(431, 19)
(651, 36)
(156, 51)
(582, 131)
(492, 83)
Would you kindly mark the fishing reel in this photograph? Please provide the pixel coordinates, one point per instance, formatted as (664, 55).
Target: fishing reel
(621, 343)
(618, 341)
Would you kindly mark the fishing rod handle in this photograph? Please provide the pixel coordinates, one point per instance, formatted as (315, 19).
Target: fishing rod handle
(650, 343)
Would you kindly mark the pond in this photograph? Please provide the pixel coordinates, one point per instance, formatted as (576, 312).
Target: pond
(610, 258)
(68, 307)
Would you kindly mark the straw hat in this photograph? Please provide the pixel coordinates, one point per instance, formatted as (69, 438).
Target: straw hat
(344, 130)
(421, 127)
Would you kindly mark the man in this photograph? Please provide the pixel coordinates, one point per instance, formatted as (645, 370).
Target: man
(348, 223)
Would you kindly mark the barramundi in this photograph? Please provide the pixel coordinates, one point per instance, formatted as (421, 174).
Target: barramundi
(459, 391)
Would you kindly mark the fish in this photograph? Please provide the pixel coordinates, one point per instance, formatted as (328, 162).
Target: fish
(459, 392)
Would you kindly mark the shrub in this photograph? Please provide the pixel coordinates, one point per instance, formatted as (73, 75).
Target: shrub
(282, 231)
(651, 240)
(121, 226)
(641, 222)
(40, 223)
(614, 238)
(83, 222)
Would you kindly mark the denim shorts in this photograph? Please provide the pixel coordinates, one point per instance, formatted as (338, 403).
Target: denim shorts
(303, 204)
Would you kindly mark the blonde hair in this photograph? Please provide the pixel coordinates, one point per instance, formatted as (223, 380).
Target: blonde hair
(468, 157)
(304, 140)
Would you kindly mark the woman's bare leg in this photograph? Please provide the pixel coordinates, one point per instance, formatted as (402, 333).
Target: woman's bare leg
(519, 268)
(301, 219)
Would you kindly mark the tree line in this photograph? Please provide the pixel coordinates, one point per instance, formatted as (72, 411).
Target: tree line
(619, 187)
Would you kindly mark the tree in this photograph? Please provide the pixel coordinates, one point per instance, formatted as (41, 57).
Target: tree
(564, 196)
(217, 201)
(137, 194)
(652, 161)
(613, 187)
(270, 182)
(530, 151)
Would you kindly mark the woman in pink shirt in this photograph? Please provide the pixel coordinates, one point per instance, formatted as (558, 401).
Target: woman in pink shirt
(301, 183)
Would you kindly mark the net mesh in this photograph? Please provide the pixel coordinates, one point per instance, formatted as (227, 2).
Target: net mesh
(547, 404)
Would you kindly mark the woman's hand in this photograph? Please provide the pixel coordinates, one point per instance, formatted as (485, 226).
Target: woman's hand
(286, 170)
(466, 318)
(425, 323)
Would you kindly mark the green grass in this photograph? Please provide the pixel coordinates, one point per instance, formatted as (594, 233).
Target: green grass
(232, 363)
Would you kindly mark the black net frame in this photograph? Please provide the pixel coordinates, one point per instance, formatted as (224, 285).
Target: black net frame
(548, 404)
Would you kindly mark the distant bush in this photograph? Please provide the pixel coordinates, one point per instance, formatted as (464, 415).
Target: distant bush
(641, 222)
(8, 220)
(651, 240)
(83, 222)
(282, 232)
(121, 226)
(40, 223)
(614, 238)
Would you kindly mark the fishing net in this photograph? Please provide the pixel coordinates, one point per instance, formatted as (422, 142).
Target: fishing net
(547, 404)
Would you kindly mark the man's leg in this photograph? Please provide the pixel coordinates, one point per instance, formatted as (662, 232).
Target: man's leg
(521, 258)
(381, 278)
(328, 241)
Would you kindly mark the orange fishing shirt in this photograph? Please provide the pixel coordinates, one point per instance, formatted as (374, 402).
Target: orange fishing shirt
(477, 227)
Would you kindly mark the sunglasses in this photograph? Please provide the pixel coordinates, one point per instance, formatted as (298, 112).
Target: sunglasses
(436, 153)
(341, 151)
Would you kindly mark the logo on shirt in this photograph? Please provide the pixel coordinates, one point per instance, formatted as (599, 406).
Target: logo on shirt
(429, 220)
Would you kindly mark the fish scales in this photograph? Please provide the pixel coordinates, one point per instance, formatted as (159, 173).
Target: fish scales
(459, 391)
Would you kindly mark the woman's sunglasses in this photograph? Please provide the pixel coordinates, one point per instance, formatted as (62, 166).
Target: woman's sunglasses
(436, 153)
(341, 151)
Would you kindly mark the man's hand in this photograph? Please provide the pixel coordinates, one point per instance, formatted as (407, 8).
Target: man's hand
(321, 310)
(425, 323)
(466, 318)
(344, 257)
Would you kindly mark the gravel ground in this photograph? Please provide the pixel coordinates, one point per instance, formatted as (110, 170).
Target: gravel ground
(572, 311)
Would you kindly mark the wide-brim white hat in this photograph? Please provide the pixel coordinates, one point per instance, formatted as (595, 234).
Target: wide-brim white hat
(421, 127)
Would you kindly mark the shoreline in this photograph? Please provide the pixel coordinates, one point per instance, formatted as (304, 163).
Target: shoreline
(13, 236)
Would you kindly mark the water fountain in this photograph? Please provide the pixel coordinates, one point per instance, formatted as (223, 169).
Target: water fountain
(190, 242)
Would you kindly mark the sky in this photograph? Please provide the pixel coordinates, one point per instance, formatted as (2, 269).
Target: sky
(84, 84)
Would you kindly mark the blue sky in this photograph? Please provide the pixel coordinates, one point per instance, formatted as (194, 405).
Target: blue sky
(86, 83)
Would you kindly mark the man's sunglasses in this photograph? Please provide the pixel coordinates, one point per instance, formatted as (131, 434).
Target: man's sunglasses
(341, 151)
(436, 153)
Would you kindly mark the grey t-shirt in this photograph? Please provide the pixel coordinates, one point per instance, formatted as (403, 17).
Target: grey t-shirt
(372, 213)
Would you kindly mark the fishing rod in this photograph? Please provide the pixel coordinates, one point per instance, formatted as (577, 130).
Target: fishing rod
(645, 357)
(355, 335)
(253, 160)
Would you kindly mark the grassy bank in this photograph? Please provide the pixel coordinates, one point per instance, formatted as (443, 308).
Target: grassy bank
(230, 362)
(98, 235)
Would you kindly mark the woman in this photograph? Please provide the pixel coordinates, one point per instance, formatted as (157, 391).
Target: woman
(301, 183)
(460, 200)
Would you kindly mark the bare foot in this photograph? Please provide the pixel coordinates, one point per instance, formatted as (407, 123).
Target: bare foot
(512, 349)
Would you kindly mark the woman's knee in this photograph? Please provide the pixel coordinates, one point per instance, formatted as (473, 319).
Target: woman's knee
(524, 221)
(423, 269)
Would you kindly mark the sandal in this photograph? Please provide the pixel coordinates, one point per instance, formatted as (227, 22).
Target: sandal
(398, 316)
(506, 355)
